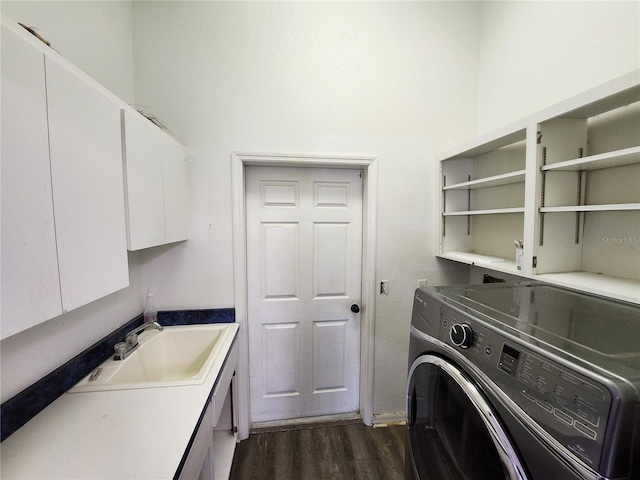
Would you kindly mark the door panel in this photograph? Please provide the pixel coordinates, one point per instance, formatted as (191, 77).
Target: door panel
(329, 355)
(331, 194)
(331, 256)
(304, 249)
(279, 194)
(280, 359)
(280, 260)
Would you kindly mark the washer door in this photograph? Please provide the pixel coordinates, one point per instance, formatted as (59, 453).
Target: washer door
(452, 431)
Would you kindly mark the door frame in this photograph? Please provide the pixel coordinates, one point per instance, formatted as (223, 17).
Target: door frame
(369, 166)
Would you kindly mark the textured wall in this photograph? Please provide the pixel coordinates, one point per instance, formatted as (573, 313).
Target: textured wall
(535, 54)
(392, 80)
(93, 35)
(396, 80)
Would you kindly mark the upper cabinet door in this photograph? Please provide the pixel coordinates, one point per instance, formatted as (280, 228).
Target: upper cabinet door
(86, 169)
(30, 284)
(144, 194)
(176, 208)
(156, 186)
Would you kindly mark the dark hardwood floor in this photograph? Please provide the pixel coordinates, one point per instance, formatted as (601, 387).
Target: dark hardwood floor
(337, 452)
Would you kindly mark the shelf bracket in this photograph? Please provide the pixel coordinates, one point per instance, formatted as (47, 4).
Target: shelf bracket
(468, 207)
(579, 201)
(444, 206)
(543, 185)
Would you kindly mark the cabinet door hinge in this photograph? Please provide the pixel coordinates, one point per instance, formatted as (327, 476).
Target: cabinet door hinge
(539, 138)
(534, 262)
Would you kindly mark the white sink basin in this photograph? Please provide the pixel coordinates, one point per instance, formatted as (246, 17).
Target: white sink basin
(180, 355)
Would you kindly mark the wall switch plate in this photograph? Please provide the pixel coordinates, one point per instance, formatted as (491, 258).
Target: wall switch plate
(422, 283)
(384, 287)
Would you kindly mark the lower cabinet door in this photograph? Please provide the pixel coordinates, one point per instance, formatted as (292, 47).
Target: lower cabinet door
(198, 453)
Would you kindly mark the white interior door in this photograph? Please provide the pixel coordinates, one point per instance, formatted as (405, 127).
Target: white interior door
(304, 254)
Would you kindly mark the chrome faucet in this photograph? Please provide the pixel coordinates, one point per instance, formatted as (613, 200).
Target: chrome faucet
(126, 348)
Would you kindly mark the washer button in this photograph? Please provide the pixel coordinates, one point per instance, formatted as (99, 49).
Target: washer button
(488, 351)
(546, 405)
(581, 427)
(563, 416)
(528, 396)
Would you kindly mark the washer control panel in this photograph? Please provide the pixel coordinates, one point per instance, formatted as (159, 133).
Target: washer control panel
(569, 406)
(572, 399)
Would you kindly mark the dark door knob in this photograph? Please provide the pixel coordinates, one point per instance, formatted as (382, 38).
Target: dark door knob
(355, 308)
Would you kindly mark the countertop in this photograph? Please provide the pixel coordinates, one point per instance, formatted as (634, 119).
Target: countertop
(118, 434)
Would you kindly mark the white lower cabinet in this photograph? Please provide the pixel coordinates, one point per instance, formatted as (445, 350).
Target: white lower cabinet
(199, 451)
(63, 225)
(223, 443)
(211, 453)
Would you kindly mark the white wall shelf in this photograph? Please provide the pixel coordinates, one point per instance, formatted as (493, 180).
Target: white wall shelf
(592, 208)
(488, 143)
(223, 448)
(493, 211)
(618, 158)
(493, 181)
(564, 181)
(498, 264)
(608, 285)
(483, 197)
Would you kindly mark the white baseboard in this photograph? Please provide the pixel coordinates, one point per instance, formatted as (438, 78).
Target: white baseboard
(305, 421)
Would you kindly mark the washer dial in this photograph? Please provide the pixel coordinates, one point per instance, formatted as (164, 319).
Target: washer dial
(461, 335)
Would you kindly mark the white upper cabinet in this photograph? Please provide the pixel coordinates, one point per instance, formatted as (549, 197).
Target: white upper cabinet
(143, 182)
(565, 182)
(86, 169)
(155, 187)
(30, 283)
(63, 225)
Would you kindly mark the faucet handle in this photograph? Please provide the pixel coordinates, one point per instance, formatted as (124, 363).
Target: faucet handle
(120, 348)
(131, 339)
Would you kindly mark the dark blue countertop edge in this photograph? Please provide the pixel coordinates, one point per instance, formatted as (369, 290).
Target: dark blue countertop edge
(21, 408)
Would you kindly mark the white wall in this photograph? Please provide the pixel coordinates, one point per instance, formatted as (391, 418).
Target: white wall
(96, 36)
(93, 35)
(396, 80)
(534, 54)
(393, 80)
